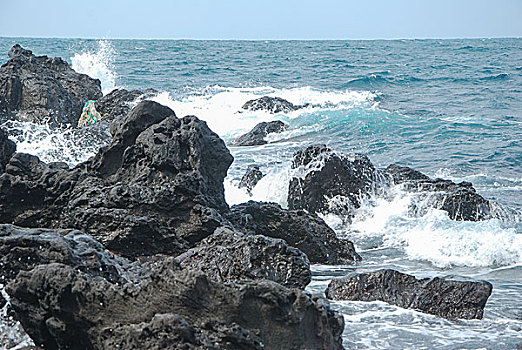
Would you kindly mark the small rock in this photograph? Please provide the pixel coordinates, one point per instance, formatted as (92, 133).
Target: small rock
(271, 104)
(257, 135)
(251, 178)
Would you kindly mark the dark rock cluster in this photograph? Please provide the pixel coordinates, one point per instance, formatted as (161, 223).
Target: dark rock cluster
(437, 296)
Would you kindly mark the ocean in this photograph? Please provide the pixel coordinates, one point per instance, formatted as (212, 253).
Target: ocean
(449, 108)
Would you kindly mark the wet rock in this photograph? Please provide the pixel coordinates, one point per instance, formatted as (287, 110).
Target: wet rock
(299, 229)
(42, 89)
(460, 200)
(231, 256)
(436, 296)
(62, 307)
(172, 332)
(22, 249)
(251, 178)
(257, 135)
(7, 148)
(271, 104)
(119, 102)
(325, 181)
(157, 188)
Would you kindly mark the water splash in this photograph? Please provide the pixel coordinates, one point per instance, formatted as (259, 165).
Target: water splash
(98, 64)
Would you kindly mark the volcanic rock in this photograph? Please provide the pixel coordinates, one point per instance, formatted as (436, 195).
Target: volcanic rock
(7, 148)
(251, 178)
(271, 104)
(40, 89)
(325, 181)
(62, 307)
(232, 256)
(157, 188)
(460, 200)
(257, 135)
(436, 296)
(299, 229)
(118, 103)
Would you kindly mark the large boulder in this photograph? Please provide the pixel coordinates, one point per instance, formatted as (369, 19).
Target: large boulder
(257, 135)
(157, 188)
(325, 181)
(271, 104)
(459, 200)
(299, 229)
(62, 307)
(7, 149)
(436, 296)
(41, 89)
(232, 256)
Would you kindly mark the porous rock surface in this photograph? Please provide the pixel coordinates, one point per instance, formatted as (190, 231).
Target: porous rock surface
(41, 89)
(299, 229)
(436, 296)
(271, 104)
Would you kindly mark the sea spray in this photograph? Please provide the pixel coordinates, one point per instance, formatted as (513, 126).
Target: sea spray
(98, 64)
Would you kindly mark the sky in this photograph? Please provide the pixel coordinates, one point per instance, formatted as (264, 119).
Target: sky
(269, 19)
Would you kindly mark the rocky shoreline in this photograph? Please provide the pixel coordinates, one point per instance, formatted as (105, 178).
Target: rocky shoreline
(137, 248)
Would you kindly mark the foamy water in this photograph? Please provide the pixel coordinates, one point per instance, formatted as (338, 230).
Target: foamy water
(98, 64)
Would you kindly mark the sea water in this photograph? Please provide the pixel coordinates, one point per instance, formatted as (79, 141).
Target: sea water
(449, 108)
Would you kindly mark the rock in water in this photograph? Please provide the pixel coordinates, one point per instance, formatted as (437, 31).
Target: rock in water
(436, 296)
(232, 256)
(301, 230)
(271, 104)
(461, 201)
(118, 103)
(62, 307)
(325, 181)
(251, 178)
(157, 188)
(41, 89)
(257, 135)
(7, 148)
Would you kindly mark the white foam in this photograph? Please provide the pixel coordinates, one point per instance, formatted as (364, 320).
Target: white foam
(98, 64)
(220, 106)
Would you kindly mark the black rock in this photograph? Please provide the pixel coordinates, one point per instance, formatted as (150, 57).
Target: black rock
(251, 178)
(7, 148)
(436, 296)
(325, 181)
(62, 307)
(271, 104)
(299, 229)
(231, 256)
(42, 89)
(461, 201)
(257, 135)
(157, 188)
(118, 103)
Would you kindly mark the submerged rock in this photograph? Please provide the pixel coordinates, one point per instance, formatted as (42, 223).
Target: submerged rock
(271, 104)
(62, 307)
(301, 230)
(157, 188)
(436, 296)
(251, 178)
(325, 181)
(257, 135)
(40, 89)
(232, 256)
(459, 200)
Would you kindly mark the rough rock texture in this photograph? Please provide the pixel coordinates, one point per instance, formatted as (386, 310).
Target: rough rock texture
(118, 102)
(257, 135)
(461, 201)
(42, 89)
(325, 181)
(157, 188)
(22, 249)
(271, 104)
(232, 256)
(436, 296)
(301, 230)
(251, 178)
(62, 307)
(7, 148)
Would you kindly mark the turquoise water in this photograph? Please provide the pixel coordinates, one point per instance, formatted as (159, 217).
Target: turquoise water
(450, 108)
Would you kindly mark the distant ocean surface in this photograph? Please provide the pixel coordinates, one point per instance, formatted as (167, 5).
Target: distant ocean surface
(449, 108)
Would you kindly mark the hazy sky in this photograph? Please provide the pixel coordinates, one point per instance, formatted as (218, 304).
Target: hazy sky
(269, 19)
